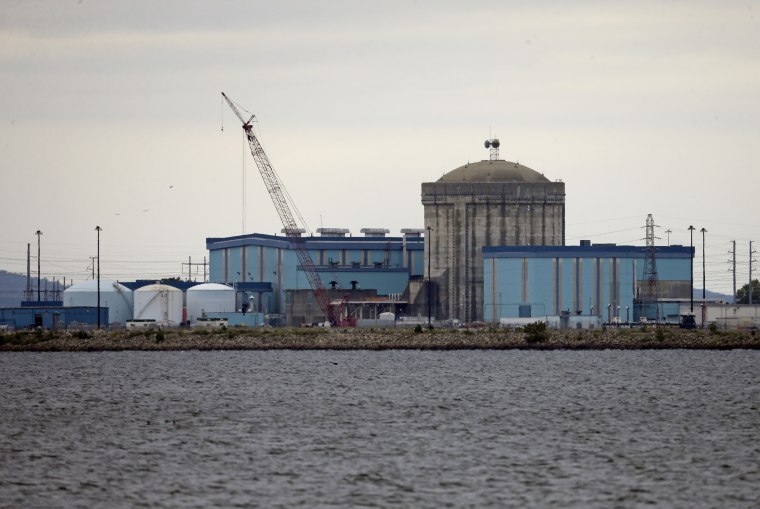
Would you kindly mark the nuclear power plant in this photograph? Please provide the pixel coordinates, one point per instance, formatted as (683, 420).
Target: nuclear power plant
(503, 212)
(491, 249)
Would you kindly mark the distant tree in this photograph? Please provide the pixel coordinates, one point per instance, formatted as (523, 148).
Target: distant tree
(743, 292)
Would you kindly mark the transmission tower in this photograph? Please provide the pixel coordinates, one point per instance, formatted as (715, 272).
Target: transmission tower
(648, 296)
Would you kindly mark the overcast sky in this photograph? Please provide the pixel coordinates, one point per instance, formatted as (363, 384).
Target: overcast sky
(111, 115)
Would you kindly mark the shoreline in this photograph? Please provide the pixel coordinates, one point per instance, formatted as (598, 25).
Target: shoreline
(376, 340)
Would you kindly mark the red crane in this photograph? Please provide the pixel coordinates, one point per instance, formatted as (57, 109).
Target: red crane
(275, 189)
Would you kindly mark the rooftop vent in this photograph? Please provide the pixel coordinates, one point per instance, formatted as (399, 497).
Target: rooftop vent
(585, 243)
(412, 232)
(332, 232)
(374, 232)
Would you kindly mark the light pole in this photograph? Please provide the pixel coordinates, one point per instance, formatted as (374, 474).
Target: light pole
(691, 284)
(627, 316)
(703, 230)
(429, 246)
(609, 317)
(39, 234)
(98, 229)
(704, 309)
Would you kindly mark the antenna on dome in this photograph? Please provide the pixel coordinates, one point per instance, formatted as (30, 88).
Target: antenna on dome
(493, 144)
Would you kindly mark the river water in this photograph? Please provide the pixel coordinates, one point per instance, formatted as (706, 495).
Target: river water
(380, 429)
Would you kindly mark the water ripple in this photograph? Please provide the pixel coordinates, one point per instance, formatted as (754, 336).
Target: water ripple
(380, 429)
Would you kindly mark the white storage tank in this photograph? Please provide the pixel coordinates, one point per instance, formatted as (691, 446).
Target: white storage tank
(162, 303)
(209, 298)
(114, 296)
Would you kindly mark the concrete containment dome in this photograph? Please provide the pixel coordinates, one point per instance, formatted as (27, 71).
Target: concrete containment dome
(209, 298)
(488, 203)
(114, 296)
(493, 171)
(162, 303)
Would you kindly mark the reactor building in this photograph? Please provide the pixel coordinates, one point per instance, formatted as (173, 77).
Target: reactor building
(488, 203)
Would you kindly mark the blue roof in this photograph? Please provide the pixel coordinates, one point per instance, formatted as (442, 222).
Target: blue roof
(281, 241)
(253, 286)
(595, 251)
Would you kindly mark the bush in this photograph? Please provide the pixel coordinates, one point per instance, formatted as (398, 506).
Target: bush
(713, 328)
(417, 329)
(160, 336)
(82, 334)
(536, 332)
(659, 334)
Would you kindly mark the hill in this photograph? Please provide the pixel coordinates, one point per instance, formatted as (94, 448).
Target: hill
(12, 288)
(725, 297)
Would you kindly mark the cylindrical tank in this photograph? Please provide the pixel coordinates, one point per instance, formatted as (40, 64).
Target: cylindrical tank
(114, 296)
(209, 298)
(162, 303)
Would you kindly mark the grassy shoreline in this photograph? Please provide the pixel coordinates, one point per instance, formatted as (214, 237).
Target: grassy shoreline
(362, 339)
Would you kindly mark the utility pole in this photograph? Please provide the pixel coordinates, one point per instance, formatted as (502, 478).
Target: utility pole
(92, 261)
(39, 234)
(190, 265)
(749, 289)
(691, 248)
(98, 229)
(668, 231)
(733, 267)
(28, 295)
(704, 279)
(429, 246)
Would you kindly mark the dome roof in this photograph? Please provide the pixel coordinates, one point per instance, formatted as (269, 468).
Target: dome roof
(493, 171)
(214, 287)
(91, 285)
(157, 288)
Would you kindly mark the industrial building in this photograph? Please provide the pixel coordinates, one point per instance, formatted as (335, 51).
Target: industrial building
(604, 281)
(50, 317)
(488, 203)
(375, 272)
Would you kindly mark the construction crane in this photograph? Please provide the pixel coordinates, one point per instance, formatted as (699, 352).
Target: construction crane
(275, 189)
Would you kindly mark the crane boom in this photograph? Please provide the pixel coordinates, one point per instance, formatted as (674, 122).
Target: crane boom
(275, 189)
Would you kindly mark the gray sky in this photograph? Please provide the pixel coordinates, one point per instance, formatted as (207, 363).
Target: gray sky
(111, 115)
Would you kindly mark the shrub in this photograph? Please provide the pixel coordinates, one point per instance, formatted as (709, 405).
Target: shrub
(536, 332)
(417, 329)
(659, 334)
(160, 336)
(82, 334)
(713, 328)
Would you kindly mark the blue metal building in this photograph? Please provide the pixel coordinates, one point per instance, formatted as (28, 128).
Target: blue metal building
(269, 266)
(600, 280)
(52, 317)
